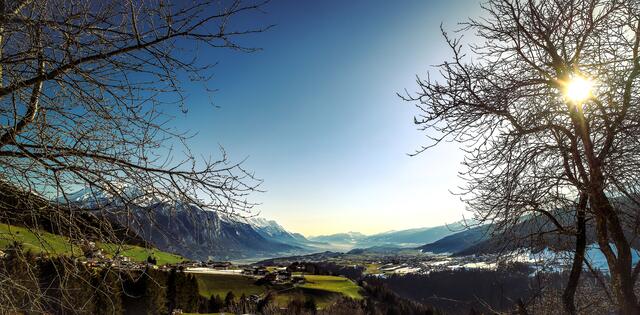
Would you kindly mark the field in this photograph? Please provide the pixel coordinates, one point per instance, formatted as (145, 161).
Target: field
(332, 284)
(372, 269)
(52, 244)
(324, 290)
(215, 284)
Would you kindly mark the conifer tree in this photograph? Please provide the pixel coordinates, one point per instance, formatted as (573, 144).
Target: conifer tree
(229, 300)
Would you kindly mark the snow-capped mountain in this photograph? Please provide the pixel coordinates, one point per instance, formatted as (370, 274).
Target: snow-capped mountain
(90, 197)
(271, 229)
(195, 233)
(199, 234)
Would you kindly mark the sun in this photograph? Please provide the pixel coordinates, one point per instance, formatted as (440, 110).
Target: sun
(578, 89)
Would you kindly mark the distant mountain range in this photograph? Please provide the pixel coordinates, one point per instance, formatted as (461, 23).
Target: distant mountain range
(340, 240)
(403, 238)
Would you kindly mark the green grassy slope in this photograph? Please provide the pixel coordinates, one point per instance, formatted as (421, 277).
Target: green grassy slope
(52, 244)
(323, 289)
(332, 284)
(41, 242)
(137, 253)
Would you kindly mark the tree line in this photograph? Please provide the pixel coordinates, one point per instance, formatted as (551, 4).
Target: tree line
(64, 285)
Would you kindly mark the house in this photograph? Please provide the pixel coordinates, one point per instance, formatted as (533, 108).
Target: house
(254, 298)
(271, 277)
(218, 264)
(283, 275)
(260, 271)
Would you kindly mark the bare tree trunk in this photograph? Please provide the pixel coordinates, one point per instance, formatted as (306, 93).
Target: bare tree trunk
(620, 264)
(608, 225)
(530, 62)
(2, 13)
(522, 309)
(568, 297)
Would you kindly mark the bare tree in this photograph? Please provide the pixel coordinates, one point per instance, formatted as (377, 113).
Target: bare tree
(535, 150)
(87, 92)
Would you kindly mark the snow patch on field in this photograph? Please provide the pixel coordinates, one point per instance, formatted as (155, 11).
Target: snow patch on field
(213, 271)
(405, 270)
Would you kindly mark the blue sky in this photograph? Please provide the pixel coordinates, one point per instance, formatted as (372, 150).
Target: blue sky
(317, 116)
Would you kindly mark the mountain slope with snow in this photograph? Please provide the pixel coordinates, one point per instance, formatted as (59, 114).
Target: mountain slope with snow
(412, 237)
(195, 233)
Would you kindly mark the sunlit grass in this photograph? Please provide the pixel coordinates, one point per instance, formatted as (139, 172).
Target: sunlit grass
(332, 284)
(41, 242)
(324, 290)
(37, 242)
(137, 253)
(372, 269)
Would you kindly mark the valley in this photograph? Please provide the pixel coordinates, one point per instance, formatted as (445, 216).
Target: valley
(320, 157)
(200, 234)
(237, 264)
(321, 280)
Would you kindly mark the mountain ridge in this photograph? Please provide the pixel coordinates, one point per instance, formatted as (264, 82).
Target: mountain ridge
(202, 234)
(196, 233)
(400, 238)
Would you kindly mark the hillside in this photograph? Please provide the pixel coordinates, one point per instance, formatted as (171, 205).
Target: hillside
(529, 233)
(200, 234)
(457, 242)
(41, 242)
(197, 233)
(28, 209)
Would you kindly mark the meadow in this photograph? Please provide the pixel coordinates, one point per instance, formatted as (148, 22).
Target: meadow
(324, 290)
(216, 284)
(40, 242)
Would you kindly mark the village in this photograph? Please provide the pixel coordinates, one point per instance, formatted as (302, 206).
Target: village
(96, 257)
(264, 275)
(290, 272)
